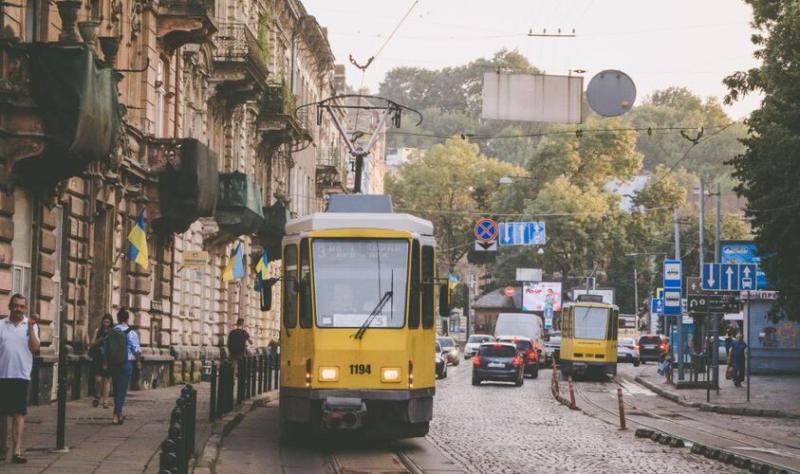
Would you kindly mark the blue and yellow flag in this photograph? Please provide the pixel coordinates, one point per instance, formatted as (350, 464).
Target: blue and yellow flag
(235, 268)
(137, 250)
(452, 281)
(261, 270)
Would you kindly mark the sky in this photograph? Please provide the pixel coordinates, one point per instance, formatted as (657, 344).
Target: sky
(691, 43)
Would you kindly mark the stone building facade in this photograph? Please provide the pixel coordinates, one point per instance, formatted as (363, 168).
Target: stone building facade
(182, 111)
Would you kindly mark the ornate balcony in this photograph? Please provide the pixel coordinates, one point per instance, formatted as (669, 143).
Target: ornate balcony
(273, 229)
(181, 22)
(240, 65)
(82, 119)
(239, 209)
(278, 123)
(188, 183)
(330, 168)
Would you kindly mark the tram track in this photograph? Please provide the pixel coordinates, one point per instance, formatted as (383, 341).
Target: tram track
(379, 460)
(741, 444)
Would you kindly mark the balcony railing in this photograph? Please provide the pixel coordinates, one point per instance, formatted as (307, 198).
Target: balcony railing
(236, 43)
(329, 157)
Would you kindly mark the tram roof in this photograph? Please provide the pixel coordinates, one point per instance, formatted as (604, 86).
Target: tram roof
(347, 220)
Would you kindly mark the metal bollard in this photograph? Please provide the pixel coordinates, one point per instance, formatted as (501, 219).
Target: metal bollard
(253, 372)
(212, 403)
(572, 405)
(621, 410)
(269, 372)
(242, 367)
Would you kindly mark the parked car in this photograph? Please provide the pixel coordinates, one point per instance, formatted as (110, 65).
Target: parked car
(522, 324)
(441, 362)
(629, 342)
(450, 348)
(552, 347)
(649, 347)
(498, 361)
(525, 348)
(626, 354)
(474, 341)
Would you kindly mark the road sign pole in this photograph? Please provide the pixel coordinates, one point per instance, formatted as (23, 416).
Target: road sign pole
(702, 205)
(747, 328)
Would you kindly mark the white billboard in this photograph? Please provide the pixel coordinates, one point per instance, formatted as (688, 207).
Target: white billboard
(541, 296)
(608, 294)
(532, 97)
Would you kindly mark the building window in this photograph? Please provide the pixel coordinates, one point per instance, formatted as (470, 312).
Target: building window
(21, 245)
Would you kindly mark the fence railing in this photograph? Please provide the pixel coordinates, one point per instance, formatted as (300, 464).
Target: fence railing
(231, 385)
(177, 449)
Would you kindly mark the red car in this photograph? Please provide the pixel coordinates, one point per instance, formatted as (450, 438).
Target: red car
(529, 354)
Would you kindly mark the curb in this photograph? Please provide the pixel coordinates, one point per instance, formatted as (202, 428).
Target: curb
(221, 428)
(711, 407)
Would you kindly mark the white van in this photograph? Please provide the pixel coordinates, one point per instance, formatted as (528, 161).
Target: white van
(522, 324)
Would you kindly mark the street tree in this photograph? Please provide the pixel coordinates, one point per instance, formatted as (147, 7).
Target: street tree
(769, 168)
(449, 184)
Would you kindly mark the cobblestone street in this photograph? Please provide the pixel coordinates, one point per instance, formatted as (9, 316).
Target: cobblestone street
(498, 428)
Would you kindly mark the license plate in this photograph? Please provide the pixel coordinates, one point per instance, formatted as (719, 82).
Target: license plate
(579, 364)
(649, 347)
(496, 364)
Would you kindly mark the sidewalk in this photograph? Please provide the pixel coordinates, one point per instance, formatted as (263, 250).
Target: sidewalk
(770, 395)
(97, 446)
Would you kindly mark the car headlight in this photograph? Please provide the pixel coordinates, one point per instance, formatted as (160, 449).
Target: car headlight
(390, 374)
(328, 374)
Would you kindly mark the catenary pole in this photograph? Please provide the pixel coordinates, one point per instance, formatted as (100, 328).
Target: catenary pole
(716, 316)
(679, 319)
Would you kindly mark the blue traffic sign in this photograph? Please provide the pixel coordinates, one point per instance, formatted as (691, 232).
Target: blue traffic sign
(522, 233)
(673, 273)
(657, 305)
(729, 277)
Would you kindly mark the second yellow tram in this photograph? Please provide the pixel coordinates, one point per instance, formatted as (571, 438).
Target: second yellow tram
(589, 337)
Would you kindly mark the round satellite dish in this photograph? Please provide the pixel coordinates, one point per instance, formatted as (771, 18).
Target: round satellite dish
(611, 93)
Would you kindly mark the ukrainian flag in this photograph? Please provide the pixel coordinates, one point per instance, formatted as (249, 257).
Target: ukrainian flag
(137, 251)
(452, 281)
(235, 268)
(261, 270)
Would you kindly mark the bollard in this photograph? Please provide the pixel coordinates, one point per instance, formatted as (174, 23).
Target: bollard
(253, 372)
(572, 405)
(212, 403)
(260, 380)
(621, 410)
(240, 377)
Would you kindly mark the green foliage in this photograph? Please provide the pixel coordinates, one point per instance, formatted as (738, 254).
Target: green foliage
(769, 169)
(446, 186)
(264, 22)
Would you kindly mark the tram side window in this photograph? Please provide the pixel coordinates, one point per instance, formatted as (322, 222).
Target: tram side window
(305, 286)
(289, 284)
(613, 328)
(427, 290)
(416, 288)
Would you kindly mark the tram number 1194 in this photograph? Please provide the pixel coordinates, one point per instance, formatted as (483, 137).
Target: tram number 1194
(360, 369)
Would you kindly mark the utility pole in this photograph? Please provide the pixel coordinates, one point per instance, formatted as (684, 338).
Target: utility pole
(635, 295)
(466, 308)
(716, 316)
(702, 205)
(679, 319)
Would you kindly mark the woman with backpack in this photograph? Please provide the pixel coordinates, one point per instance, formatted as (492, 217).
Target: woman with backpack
(121, 349)
(102, 377)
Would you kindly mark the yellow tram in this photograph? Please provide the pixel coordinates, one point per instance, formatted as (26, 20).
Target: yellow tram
(357, 326)
(589, 336)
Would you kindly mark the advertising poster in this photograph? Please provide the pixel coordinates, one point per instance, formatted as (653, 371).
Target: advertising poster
(542, 296)
(746, 253)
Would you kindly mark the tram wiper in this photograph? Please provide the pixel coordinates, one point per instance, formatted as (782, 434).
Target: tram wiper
(376, 311)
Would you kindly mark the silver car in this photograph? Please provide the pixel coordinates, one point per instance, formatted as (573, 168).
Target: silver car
(474, 342)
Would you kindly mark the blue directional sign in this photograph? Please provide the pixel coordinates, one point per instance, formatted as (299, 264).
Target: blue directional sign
(672, 274)
(657, 305)
(672, 302)
(729, 277)
(521, 233)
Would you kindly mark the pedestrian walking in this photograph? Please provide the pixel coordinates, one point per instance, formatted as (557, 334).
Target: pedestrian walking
(665, 364)
(737, 358)
(121, 349)
(238, 339)
(102, 377)
(19, 340)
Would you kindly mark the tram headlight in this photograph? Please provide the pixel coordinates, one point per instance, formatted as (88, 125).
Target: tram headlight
(390, 374)
(328, 374)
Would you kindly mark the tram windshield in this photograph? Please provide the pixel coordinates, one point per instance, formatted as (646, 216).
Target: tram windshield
(591, 323)
(351, 276)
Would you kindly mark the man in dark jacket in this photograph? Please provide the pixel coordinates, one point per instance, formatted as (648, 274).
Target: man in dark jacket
(738, 357)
